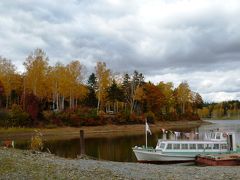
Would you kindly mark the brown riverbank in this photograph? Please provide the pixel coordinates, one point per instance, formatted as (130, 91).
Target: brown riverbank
(96, 131)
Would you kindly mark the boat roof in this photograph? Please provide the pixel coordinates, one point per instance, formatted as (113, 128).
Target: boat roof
(191, 141)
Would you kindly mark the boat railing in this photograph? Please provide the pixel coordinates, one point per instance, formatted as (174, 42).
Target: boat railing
(149, 149)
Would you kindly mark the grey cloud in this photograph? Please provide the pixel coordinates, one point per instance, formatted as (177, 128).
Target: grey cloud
(157, 38)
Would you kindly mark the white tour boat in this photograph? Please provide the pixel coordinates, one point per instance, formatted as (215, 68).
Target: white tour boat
(185, 150)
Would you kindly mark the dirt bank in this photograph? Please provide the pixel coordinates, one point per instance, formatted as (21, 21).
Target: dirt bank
(96, 131)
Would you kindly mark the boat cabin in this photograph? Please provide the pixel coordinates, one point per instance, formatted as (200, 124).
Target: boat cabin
(216, 142)
(191, 145)
(215, 136)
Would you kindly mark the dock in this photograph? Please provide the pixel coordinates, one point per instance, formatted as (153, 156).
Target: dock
(218, 160)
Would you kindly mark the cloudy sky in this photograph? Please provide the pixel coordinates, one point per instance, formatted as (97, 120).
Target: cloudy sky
(167, 40)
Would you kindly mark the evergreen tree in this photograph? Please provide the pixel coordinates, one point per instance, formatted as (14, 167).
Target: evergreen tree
(91, 98)
(115, 93)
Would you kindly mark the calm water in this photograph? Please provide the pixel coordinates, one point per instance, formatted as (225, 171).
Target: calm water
(119, 148)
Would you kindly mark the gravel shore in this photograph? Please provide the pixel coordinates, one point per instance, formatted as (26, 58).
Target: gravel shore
(23, 164)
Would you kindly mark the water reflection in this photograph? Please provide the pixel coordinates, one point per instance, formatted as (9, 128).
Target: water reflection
(120, 148)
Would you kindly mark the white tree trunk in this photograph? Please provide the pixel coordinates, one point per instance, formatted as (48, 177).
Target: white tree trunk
(53, 101)
(70, 101)
(7, 102)
(98, 106)
(57, 101)
(62, 102)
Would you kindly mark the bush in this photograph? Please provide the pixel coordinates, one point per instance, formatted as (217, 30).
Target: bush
(37, 141)
(190, 117)
(51, 126)
(75, 120)
(150, 116)
(121, 118)
(52, 118)
(85, 112)
(48, 116)
(83, 116)
(171, 117)
(135, 119)
(32, 104)
(18, 117)
(4, 118)
(61, 118)
(101, 113)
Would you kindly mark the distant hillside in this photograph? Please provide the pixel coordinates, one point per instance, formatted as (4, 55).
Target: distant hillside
(222, 110)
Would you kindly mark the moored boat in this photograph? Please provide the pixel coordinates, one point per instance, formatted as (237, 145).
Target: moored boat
(186, 150)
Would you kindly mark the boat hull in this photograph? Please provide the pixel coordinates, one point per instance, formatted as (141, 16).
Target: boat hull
(153, 156)
(219, 160)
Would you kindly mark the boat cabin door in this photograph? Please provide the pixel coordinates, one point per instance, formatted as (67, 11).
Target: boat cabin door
(231, 142)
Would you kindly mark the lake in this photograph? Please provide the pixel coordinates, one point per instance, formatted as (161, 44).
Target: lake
(120, 148)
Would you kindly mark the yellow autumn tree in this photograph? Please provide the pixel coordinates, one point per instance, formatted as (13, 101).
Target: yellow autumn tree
(167, 90)
(36, 66)
(103, 81)
(75, 87)
(184, 95)
(66, 84)
(58, 84)
(8, 78)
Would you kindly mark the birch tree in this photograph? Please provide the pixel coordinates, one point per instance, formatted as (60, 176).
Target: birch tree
(75, 87)
(167, 90)
(130, 85)
(184, 95)
(36, 66)
(103, 81)
(8, 78)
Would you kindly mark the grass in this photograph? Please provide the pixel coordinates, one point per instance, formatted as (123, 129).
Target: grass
(31, 167)
(16, 129)
(9, 165)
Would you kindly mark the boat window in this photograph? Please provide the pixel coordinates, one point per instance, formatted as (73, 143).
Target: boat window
(200, 146)
(176, 146)
(216, 146)
(218, 136)
(169, 146)
(192, 146)
(184, 146)
(224, 146)
(212, 135)
(208, 146)
(162, 145)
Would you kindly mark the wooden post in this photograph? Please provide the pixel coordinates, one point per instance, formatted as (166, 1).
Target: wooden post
(82, 143)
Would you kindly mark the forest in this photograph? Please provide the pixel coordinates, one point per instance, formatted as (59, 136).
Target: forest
(62, 95)
(222, 110)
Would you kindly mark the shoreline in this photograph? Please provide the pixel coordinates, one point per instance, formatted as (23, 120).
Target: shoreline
(96, 131)
(218, 119)
(26, 164)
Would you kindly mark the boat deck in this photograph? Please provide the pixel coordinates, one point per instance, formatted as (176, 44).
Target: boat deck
(232, 159)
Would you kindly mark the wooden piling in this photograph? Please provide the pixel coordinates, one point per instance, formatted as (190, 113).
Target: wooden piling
(82, 143)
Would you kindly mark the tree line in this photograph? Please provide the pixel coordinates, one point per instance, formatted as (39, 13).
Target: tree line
(58, 94)
(221, 110)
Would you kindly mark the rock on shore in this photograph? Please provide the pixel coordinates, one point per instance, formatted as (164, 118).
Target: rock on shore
(22, 164)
